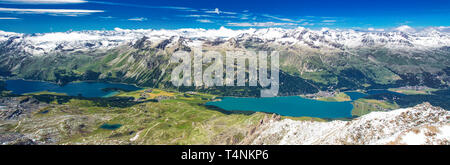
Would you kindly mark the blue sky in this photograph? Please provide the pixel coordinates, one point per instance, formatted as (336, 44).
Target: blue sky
(31, 16)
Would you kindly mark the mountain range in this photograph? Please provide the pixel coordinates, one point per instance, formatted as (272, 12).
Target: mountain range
(401, 37)
(310, 60)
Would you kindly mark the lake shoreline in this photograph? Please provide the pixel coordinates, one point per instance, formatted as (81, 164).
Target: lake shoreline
(81, 88)
(294, 106)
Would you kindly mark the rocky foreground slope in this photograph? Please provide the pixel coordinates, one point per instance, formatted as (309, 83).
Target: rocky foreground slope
(422, 124)
(27, 121)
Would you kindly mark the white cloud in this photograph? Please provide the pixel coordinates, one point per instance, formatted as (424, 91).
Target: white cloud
(54, 12)
(217, 11)
(373, 29)
(245, 16)
(444, 28)
(260, 24)
(243, 24)
(107, 17)
(228, 16)
(405, 28)
(329, 21)
(204, 21)
(8, 18)
(42, 1)
(228, 12)
(138, 19)
(196, 15)
(143, 6)
(278, 18)
(307, 24)
(283, 19)
(326, 24)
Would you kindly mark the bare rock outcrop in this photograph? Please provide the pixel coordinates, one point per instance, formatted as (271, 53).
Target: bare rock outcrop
(422, 124)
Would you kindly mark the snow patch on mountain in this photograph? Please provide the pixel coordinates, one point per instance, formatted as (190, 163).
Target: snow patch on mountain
(6, 35)
(403, 37)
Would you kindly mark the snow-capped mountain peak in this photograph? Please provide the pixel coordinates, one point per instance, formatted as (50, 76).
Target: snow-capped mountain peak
(401, 37)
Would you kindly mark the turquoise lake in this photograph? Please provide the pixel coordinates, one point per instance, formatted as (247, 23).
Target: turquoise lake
(356, 95)
(287, 106)
(294, 105)
(85, 89)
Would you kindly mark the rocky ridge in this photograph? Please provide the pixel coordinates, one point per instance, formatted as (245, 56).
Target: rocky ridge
(422, 124)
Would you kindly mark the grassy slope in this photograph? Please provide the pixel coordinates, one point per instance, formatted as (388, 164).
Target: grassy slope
(183, 120)
(168, 122)
(413, 92)
(337, 98)
(365, 106)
